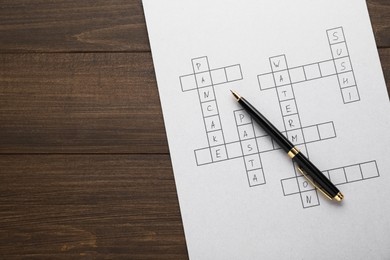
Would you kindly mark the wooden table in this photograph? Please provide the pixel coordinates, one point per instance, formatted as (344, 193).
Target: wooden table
(84, 163)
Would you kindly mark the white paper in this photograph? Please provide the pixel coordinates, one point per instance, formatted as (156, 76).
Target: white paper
(312, 68)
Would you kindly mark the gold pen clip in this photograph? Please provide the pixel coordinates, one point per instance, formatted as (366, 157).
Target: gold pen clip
(313, 183)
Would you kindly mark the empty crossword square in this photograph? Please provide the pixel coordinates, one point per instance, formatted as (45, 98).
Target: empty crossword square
(290, 186)
(339, 50)
(212, 123)
(206, 94)
(285, 92)
(218, 76)
(326, 130)
(266, 81)
(353, 173)
(337, 176)
(200, 64)
(278, 63)
(311, 134)
(335, 35)
(343, 65)
(327, 68)
(234, 150)
(312, 71)
(297, 74)
(264, 143)
(233, 73)
(346, 79)
(256, 177)
(282, 78)
(188, 82)
(369, 170)
(350, 94)
(203, 156)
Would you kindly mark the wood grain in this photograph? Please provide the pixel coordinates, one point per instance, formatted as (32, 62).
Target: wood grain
(105, 206)
(85, 170)
(84, 103)
(100, 25)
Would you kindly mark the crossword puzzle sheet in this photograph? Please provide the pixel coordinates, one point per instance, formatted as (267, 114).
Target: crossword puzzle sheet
(312, 68)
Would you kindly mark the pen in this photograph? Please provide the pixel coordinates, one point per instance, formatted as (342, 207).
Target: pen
(304, 166)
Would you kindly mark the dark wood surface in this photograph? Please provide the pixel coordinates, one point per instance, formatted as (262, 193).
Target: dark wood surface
(84, 163)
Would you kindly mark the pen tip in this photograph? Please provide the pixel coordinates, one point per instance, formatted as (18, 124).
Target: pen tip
(238, 97)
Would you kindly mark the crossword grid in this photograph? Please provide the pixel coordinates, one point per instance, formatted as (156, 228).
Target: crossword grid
(338, 176)
(203, 79)
(340, 65)
(252, 142)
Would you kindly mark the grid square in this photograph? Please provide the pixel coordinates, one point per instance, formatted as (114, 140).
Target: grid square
(188, 82)
(249, 147)
(288, 107)
(312, 71)
(234, 150)
(200, 64)
(297, 75)
(353, 173)
(339, 50)
(218, 76)
(242, 117)
(310, 199)
(215, 138)
(337, 176)
(343, 65)
(252, 162)
(218, 153)
(290, 186)
(346, 79)
(246, 132)
(212, 123)
(203, 156)
(264, 143)
(278, 63)
(327, 68)
(335, 35)
(295, 136)
(206, 94)
(326, 130)
(266, 81)
(282, 78)
(256, 177)
(233, 73)
(311, 134)
(369, 170)
(285, 92)
(304, 184)
(203, 79)
(209, 108)
(350, 94)
(292, 122)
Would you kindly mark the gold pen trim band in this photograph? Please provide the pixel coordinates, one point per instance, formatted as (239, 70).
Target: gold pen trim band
(294, 151)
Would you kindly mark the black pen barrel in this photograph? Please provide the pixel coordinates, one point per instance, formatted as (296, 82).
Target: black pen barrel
(317, 176)
(282, 141)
